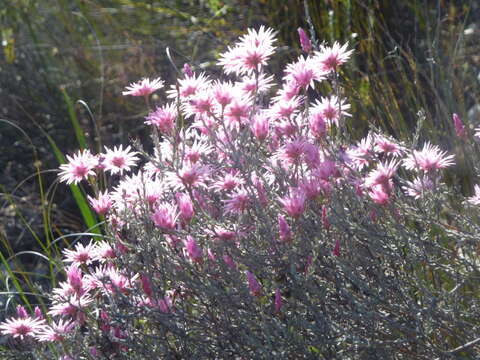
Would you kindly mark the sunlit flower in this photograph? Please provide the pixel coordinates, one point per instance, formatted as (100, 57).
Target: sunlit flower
(330, 58)
(382, 174)
(165, 216)
(81, 255)
(386, 146)
(118, 160)
(330, 109)
(303, 73)
(163, 118)
(79, 167)
(57, 331)
(418, 187)
(144, 87)
(305, 42)
(475, 199)
(21, 327)
(238, 202)
(294, 203)
(188, 86)
(430, 158)
(102, 203)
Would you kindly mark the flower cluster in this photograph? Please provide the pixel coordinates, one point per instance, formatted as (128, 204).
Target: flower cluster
(235, 213)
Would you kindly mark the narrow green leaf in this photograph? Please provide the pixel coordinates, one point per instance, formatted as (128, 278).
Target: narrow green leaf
(79, 134)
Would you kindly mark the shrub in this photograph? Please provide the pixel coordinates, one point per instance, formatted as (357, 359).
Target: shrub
(256, 228)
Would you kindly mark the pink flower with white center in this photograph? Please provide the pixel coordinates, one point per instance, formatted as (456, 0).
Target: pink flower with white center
(193, 251)
(331, 109)
(253, 284)
(330, 58)
(284, 229)
(303, 73)
(238, 202)
(379, 195)
(251, 84)
(163, 118)
(104, 252)
(361, 155)
(57, 331)
(81, 255)
(387, 146)
(294, 203)
(475, 199)
(21, 327)
(260, 126)
(186, 207)
(429, 159)
(238, 111)
(459, 127)
(79, 167)
(199, 148)
(188, 86)
(418, 187)
(305, 42)
(228, 181)
(202, 103)
(291, 153)
(250, 54)
(165, 216)
(118, 160)
(382, 174)
(102, 203)
(144, 87)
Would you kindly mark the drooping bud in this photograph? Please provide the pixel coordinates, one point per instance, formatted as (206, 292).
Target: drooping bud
(459, 127)
(284, 229)
(253, 284)
(304, 40)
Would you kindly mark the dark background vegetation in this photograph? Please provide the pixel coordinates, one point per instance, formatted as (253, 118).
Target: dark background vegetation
(413, 59)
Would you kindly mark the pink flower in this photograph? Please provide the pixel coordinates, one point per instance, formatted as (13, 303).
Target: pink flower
(118, 160)
(250, 53)
(430, 158)
(165, 216)
(228, 181)
(304, 40)
(56, 331)
(194, 252)
(82, 254)
(102, 204)
(188, 86)
(330, 109)
(284, 229)
(278, 301)
(186, 207)
(459, 127)
(379, 195)
(294, 204)
(251, 85)
(238, 202)
(190, 176)
(291, 153)
(336, 249)
(104, 251)
(253, 284)
(227, 259)
(75, 280)
(260, 126)
(418, 187)
(382, 174)
(387, 146)
(302, 73)
(79, 167)
(318, 126)
(330, 58)
(163, 118)
(475, 199)
(237, 112)
(21, 327)
(187, 70)
(223, 93)
(144, 87)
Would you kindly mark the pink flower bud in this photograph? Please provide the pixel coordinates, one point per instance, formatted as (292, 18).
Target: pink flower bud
(146, 285)
(186, 207)
(459, 127)
(253, 284)
(304, 40)
(194, 251)
(165, 216)
(278, 301)
(187, 70)
(260, 126)
(21, 312)
(325, 222)
(229, 261)
(38, 313)
(284, 229)
(211, 255)
(75, 279)
(336, 249)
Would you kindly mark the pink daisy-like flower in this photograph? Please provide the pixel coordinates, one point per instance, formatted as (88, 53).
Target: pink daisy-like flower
(251, 84)
(238, 111)
(57, 331)
(418, 187)
(330, 109)
(81, 255)
(189, 86)
(430, 158)
(190, 176)
(294, 204)
(228, 181)
(250, 53)
(387, 146)
(303, 73)
(382, 174)
(21, 327)
(475, 199)
(103, 251)
(102, 203)
(223, 92)
(118, 160)
(291, 153)
(285, 108)
(379, 195)
(260, 126)
(163, 118)
(143, 87)
(79, 167)
(330, 58)
(238, 202)
(73, 306)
